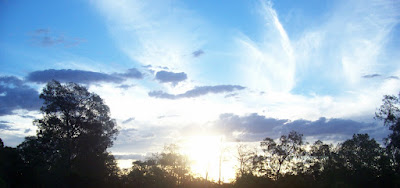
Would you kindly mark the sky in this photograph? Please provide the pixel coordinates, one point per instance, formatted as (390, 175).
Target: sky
(185, 71)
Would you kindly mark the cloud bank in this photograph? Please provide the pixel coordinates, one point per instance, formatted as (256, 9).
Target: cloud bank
(254, 127)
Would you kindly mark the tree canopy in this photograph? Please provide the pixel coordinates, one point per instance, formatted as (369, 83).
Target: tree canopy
(389, 112)
(72, 137)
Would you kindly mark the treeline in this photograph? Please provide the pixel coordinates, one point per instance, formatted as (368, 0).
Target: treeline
(357, 162)
(70, 150)
(169, 169)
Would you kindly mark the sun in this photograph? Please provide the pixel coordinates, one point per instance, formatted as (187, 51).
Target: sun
(207, 153)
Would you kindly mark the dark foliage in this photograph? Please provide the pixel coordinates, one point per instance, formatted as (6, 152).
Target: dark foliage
(70, 148)
(389, 112)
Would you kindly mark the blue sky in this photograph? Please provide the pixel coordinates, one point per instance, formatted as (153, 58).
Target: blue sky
(174, 69)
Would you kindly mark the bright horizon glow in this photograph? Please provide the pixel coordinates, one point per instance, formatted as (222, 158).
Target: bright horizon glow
(204, 152)
(125, 163)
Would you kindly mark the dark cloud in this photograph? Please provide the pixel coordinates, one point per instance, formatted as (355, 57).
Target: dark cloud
(254, 127)
(11, 81)
(131, 73)
(81, 76)
(4, 125)
(170, 77)
(167, 116)
(14, 95)
(68, 75)
(198, 53)
(162, 95)
(27, 116)
(252, 123)
(393, 77)
(324, 126)
(371, 75)
(128, 120)
(27, 130)
(47, 38)
(125, 86)
(197, 92)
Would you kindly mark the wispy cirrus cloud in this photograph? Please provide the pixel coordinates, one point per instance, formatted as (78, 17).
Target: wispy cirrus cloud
(269, 64)
(159, 33)
(329, 50)
(285, 65)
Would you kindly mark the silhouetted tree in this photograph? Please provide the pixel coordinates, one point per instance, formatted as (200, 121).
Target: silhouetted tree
(357, 162)
(364, 160)
(148, 174)
(245, 157)
(278, 156)
(320, 155)
(177, 165)
(389, 112)
(167, 169)
(72, 138)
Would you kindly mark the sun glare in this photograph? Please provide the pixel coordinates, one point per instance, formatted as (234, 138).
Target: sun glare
(125, 163)
(206, 153)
